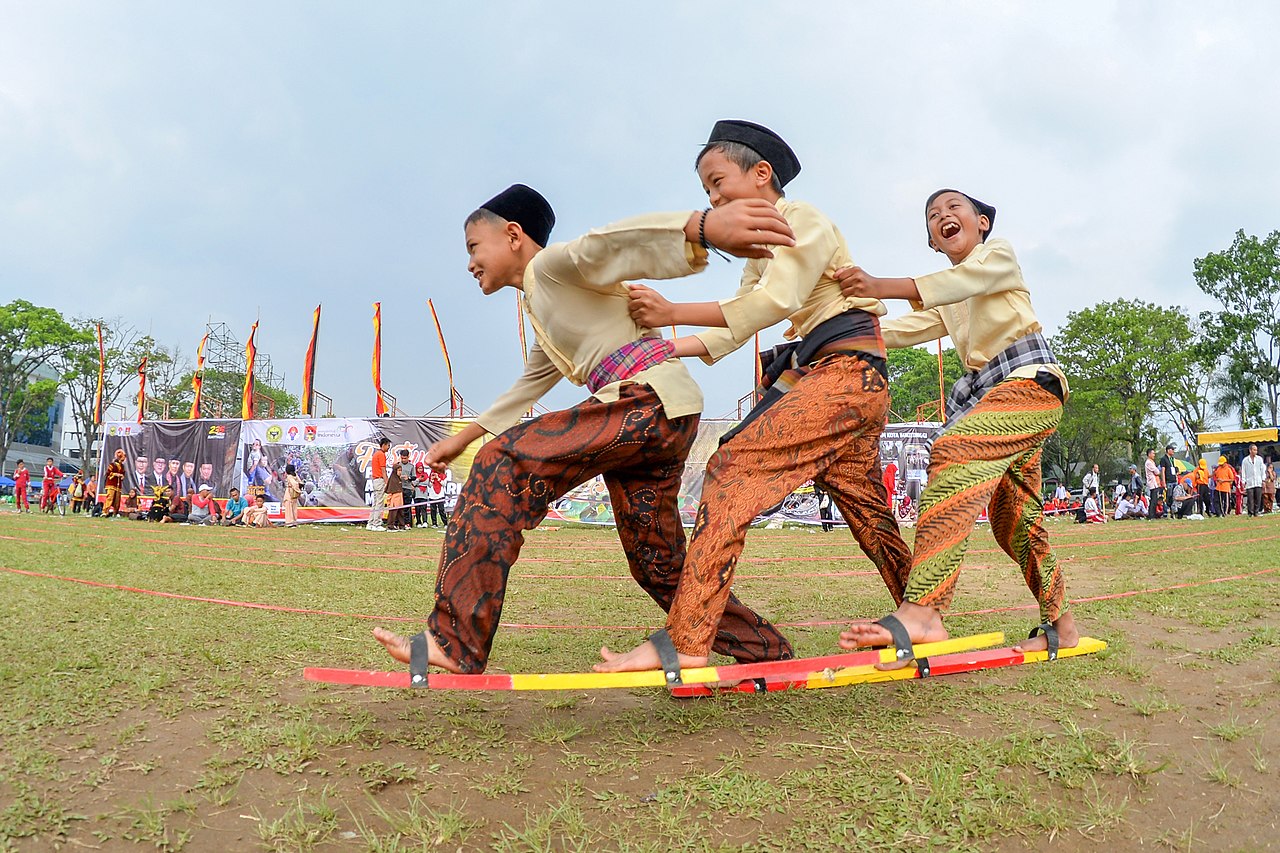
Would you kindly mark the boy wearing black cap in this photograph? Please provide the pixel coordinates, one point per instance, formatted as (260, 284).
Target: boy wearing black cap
(998, 417)
(824, 404)
(636, 428)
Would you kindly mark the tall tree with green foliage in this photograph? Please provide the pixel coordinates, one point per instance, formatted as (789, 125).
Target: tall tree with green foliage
(1246, 279)
(913, 378)
(78, 366)
(1132, 359)
(30, 336)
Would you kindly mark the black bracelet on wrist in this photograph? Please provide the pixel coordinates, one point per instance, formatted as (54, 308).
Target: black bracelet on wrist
(702, 235)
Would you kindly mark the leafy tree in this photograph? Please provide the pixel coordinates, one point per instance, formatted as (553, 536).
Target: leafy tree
(78, 366)
(1246, 280)
(1131, 359)
(1240, 394)
(913, 378)
(223, 389)
(30, 336)
(1084, 437)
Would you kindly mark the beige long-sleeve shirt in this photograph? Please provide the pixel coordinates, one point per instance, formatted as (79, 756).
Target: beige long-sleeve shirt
(576, 299)
(797, 283)
(982, 303)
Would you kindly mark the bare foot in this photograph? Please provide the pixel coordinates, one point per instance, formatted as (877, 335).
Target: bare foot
(1068, 636)
(923, 624)
(398, 647)
(642, 657)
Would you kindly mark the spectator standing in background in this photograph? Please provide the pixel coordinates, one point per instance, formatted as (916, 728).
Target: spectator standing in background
(436, 495)
(1091, 481)
(378, 472)
(1151, 471)
(1169, 478)
(292, 492)
(1269, 488)
(1253, 472)
(421, 494)
(408, 477)
(1200, 482)
(21, 487)
(1224, 478)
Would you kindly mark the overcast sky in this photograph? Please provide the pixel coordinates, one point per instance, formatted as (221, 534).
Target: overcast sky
(176, 163)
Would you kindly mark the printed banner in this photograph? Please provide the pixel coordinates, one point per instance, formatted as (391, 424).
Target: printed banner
(333, 459)
(182, 455)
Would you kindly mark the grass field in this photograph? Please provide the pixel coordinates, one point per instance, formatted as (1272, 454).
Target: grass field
(130, 720)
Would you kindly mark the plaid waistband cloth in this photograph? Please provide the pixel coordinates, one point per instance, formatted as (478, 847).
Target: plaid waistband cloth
(854, 333)
(628, 360)
(973, 386)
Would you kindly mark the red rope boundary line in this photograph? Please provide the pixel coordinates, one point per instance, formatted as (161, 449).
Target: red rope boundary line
(524, 625)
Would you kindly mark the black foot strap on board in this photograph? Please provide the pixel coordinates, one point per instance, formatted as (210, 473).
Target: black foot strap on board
(901, 638)
(667, 656)
(418, 660)
(1050, 636)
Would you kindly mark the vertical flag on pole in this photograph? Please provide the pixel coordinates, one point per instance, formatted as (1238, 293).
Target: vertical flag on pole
(250, 355)
(309, 369)
(448, 368)
(102, 374)
(380, 406)
(142, 387)
(197, 379)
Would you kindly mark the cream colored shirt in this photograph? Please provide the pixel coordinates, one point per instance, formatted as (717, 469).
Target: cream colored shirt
(576, 299)
(982, 303)
(797, 283)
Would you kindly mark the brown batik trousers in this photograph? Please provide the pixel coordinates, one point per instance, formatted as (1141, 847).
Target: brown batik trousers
(518, 475)
(990, 458)
(826, 429)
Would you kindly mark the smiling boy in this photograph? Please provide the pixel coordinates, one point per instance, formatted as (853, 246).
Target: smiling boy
(635, 429)
(819, 418)
(998, 417)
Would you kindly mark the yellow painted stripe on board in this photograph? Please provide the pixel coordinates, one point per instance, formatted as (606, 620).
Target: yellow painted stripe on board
(597, 680)
(945, 647)
(1086, 646)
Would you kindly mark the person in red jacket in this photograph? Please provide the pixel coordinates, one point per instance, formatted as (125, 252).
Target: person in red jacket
(49, 485)
(21, 485)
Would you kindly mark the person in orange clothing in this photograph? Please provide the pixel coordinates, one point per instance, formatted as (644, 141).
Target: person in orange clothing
(378, 474)
(1224, 478)
(113, 485)
(1200, 485)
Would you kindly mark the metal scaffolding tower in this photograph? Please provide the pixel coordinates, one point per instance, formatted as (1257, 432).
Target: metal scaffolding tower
(225, 353)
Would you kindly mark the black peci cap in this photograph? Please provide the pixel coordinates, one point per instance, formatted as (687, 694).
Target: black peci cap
(526, 207)
(760, 139)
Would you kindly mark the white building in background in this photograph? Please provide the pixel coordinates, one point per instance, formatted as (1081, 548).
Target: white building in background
(45, 440)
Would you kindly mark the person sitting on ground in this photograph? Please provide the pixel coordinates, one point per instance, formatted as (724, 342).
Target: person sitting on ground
(178, 511)
(161, 496)
(204, 507)
(233, 513)
(1093, 514)
(1127, 507)
(131, 506)
(256, 515)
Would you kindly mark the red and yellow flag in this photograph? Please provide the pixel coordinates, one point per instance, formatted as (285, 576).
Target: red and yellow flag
(197, 379)
(444, 349)
(102, 374)
(379, 406)
(309, 368)
(142, 387)
(250, 355)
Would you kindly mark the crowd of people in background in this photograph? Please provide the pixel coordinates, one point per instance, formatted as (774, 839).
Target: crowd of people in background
(1164, 488)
